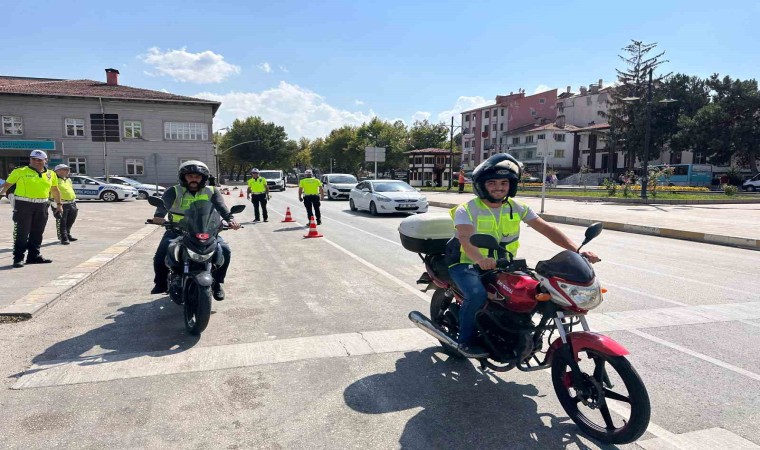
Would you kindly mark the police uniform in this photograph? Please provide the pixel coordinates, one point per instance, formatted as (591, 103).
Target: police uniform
(30, 212)
(65, 220)
(311, 198)
(258, 187)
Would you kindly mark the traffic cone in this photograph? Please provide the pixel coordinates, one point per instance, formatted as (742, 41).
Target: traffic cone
(288, 217)
(241, 194)
(227, 191)
(313, 233)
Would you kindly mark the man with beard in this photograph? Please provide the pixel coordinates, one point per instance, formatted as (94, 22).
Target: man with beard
(193, 176)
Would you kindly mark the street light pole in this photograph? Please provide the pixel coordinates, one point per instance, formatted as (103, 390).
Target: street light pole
(647, 136)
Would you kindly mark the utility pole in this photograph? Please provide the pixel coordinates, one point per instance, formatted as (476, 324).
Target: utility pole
(645, 175)
(451, 153)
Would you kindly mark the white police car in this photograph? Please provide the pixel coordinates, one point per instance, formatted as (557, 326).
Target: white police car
(88, 188)
(143, 190)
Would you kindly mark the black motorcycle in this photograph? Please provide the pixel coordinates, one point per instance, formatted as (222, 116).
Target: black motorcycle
(191, 258)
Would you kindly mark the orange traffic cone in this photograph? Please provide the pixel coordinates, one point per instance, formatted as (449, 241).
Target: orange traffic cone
(288, 217)
(227, 191)
(313, 233)
(241, 194)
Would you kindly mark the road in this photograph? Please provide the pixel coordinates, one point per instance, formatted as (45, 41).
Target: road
(312, 349)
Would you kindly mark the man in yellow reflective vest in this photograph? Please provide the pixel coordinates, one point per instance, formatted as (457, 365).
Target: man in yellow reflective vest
(35, 184)
(193, 176)
(495, 212)
(65, 220)
(258, 191)
(310, 192)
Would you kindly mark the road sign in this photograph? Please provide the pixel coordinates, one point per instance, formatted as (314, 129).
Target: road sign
(376, 154)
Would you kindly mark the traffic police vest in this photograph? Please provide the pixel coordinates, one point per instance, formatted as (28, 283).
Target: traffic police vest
(32, 184)
(67, 189)
(258, 185)
(505, 226)
(310, 186)
(184, 198)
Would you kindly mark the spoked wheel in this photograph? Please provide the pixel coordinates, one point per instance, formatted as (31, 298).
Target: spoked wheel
(438, 307)
(610, 384)
(197, 307)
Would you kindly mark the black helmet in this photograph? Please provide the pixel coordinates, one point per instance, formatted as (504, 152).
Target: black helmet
(193, 167)
(499, 166)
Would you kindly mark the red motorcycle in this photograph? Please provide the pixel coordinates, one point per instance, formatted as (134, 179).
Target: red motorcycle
(525, 307)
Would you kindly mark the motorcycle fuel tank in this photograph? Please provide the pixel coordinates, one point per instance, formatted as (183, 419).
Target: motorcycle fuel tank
(515, 292)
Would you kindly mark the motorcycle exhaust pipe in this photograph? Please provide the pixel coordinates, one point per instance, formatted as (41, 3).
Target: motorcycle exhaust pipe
(428, 327)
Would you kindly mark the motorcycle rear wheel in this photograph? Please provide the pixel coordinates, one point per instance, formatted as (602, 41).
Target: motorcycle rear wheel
(438, 306)
(589, 402)
(197, 307)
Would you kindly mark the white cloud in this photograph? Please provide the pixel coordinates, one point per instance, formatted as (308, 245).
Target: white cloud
(420, 115)
(302, 112)
(358, 102)
(284, 69)
(462, 104)
(181, 65)
(541, 88)
(265, 67)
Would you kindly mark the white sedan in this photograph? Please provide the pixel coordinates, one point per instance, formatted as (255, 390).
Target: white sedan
(143, 190)
(88, 188)
(386, 196)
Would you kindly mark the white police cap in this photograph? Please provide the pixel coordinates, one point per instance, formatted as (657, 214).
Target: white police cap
(38, 154)
(61, 166)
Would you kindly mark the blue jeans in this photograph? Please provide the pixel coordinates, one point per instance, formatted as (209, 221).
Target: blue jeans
(475, 296)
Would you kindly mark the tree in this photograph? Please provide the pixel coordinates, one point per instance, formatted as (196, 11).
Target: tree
(628, 120)
(424, 134)
(392, 136)
(268, 146)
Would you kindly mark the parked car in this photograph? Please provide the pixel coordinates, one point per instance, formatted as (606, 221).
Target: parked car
(752, 185)
(275, 179)
(338, 185)
(386, 196)
(143, 190)
(88, 188)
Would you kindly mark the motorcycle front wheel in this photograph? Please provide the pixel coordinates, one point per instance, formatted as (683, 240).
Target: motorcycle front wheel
(197, 307)
(610, 384)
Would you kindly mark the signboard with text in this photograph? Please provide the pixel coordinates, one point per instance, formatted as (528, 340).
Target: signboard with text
(27, 145)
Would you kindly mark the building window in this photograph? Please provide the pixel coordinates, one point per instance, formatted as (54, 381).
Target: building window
(466, 144)
(515, 140)
(559, 137)
(13, 125)
(533, 112)
(493, 127)
(485, 127)
(487, 114)
(132, 129)
(699, 158)
(501, 127)
(494, 112)
(559, 153)
(182, 131)
(429, 160)
(502, 112)
(466, 117)
(78, 165)
(74, 127)
(542, 100)
(135, 166)
(541, 136)
(104, 127)
(528, 139)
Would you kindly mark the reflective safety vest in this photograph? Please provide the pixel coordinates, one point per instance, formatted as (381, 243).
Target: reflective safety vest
(505, 226)
(184, 198)
(67, 189)
(310, 186)
(258, 185)
(32, 184)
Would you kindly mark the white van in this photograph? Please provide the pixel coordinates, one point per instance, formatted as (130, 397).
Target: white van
(275, 179)
(753, 184)
(338, 185)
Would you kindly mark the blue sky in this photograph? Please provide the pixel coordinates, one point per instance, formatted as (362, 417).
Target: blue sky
(313, 66)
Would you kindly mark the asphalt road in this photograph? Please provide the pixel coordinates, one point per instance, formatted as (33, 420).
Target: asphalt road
(312, 349)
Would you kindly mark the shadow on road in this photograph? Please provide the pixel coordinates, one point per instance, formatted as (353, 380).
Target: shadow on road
(461, 407)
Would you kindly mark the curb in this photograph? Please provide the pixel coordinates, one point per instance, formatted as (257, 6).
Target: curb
(729, 241)
(46, 295)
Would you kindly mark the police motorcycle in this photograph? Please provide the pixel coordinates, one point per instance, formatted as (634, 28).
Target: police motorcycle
(191, 257)
(525, 307)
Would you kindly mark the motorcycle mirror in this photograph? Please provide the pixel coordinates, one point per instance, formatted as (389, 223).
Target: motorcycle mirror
(155, 201)
(237, 209)
(484, 241)
(592, 231)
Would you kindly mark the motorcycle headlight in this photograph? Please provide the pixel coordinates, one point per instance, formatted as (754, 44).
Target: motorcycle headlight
(198, 257)
(585, 297)
(380, 198)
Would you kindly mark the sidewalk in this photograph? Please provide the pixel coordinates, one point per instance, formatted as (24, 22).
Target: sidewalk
(735, 225)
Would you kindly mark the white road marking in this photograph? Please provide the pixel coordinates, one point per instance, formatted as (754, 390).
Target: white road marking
(701, 356)
(709, 439)
(644, 294)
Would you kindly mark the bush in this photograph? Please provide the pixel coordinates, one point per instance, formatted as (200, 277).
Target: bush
(611, 187)
(730, 190)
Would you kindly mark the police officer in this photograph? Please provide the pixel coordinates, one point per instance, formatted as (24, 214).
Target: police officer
(65, 220)
(310, 192)
(258, 191)
(193, 176)
(34, 185)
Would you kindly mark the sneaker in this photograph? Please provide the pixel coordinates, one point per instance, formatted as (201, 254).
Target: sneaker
(256, 220)
(18, 264)
(159, 289)
(472, 351)
(38, 260)
(319, 221)
(72, 238)
(218, 291)
(65, 242)
(266, 220)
